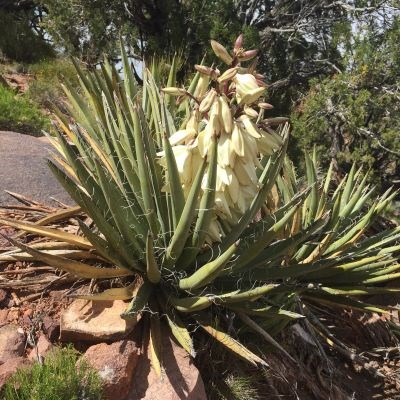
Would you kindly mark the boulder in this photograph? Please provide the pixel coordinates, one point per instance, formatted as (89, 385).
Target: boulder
(96, 321)
(115, 364)
(180, 378)
(10, 367)
(12, 342)
(51, 327)
(23, 169)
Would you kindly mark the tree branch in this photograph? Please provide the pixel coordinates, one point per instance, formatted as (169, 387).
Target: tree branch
(369, 133)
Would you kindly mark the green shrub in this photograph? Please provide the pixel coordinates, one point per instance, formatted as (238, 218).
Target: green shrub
(238, 388)
(18, 42)
(57, 379)
(45, 89)
(18, 113)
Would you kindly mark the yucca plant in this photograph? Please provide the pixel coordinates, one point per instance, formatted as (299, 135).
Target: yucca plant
(190, 190)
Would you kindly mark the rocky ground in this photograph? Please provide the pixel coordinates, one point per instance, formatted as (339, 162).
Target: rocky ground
(36, 314)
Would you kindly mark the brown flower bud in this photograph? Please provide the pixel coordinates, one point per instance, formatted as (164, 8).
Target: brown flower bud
(265, 106)
(248, 55)
(174, 91)
(221, 52)
(203, 69)
(238, 43)
(228, 74)
(275, 121)
(261, 83)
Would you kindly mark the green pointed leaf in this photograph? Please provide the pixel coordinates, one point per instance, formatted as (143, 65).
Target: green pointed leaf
(232, 345)
(181, 233)
(153, 272)
(207, 272)
(139, 302)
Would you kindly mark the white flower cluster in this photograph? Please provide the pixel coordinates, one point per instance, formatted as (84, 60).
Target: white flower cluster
(227, 105)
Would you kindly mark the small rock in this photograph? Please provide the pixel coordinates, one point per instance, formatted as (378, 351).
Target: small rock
(3, 297)
(3, 317)
(28, 313)
(12, 343)
(13, 315)
(26, 317)
(10, 303)
(115, 364)
(180, 379)
(43, 346)
(95, 321)
(10, 367)
(6, 231)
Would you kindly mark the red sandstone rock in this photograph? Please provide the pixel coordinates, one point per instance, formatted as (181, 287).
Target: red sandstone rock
(51, 327)
(95, 321)
(180, 378)
(115, 364)
(3, 317)
(12, 342)
(10, 367)
(43, 346)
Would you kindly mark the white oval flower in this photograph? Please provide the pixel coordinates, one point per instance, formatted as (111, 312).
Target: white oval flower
(202, 86)
(180, 137)
(251, 96)
(238, 140)
(245, 172)
(226, 119)
(221, 204)
(245, 82)
(247, 89)
(250, 127)
(226, 154)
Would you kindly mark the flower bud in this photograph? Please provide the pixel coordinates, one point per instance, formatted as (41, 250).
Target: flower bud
(275, 121)
(204, 70)
(265, 106)
(221, 52)
(238, 43)
(250, 112)
(208, 101)
(193, 122)
(228, 74)
(261, 83)
(248, 55)
(174, 91)
(253, 66)
(202, 86)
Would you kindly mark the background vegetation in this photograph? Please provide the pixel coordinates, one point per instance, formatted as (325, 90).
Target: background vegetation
(333, 66)
(18, 113)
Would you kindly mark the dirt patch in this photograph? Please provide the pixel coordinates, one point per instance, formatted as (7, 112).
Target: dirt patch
(16, 81)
